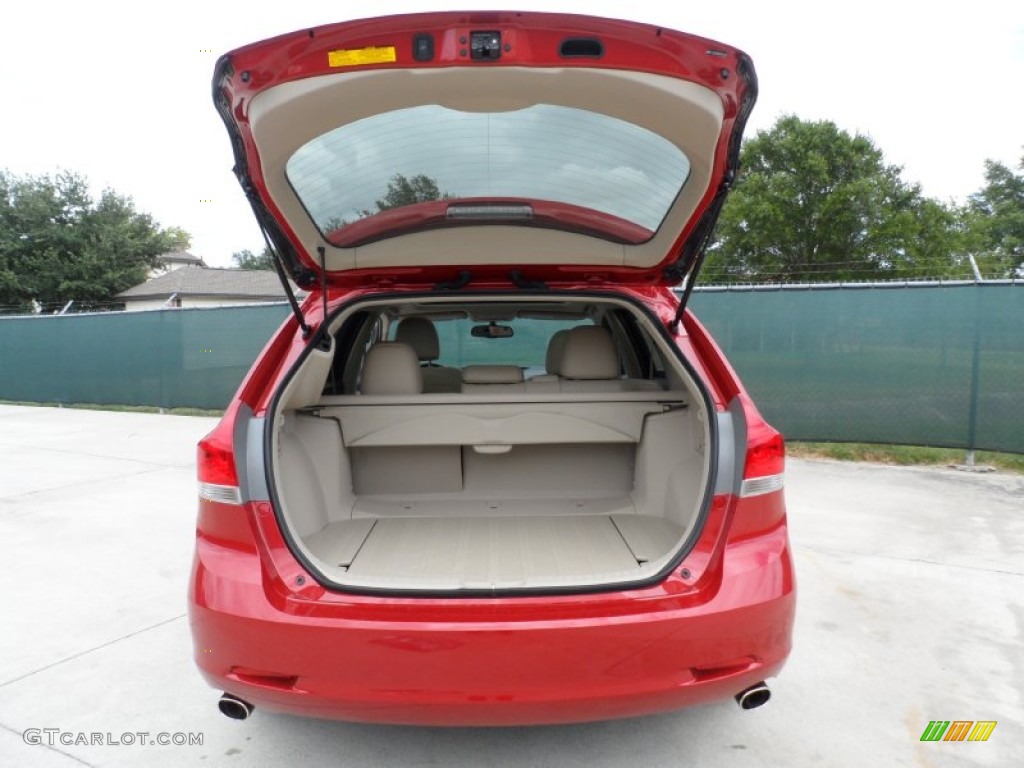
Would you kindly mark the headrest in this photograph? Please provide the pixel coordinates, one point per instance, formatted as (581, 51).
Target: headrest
(420, 334)
(589, 354)
(492, 374)
(391, 368)
(556, 348)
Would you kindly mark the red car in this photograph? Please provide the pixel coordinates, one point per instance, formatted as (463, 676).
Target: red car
(491, 472)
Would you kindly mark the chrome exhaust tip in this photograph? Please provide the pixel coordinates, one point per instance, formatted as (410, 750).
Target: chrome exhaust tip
(234, 707)
(753, 697)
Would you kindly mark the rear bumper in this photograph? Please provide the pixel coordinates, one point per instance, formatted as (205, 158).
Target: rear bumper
(499, 662)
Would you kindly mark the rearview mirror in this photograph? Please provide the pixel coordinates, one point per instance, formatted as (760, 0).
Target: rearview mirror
(493, 331)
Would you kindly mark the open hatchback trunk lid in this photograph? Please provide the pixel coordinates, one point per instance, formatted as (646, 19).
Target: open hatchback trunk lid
(477, 146)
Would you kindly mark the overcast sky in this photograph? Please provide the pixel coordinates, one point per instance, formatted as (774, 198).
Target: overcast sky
(121, 91)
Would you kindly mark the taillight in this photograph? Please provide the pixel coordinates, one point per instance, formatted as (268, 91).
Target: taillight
(766, 459)
(215, 466)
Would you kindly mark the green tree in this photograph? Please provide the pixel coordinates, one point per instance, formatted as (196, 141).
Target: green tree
(995, 220)
(937, 247)
(403, 191)
(57, 244)
(813, 203)
(246, 259)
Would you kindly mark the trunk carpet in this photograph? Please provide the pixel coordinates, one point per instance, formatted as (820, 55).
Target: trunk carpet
(485, 552)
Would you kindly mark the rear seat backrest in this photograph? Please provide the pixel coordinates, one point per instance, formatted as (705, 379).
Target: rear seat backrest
(391, 368)
(492, 379)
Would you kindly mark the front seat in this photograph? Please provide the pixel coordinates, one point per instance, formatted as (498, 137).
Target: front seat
(589, 361)
(420, 334)
(391, 368)
(553, 358)
(590, 364)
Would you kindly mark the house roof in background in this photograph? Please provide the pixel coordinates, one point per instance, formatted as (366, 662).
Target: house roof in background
(181, 257)
(209, 282)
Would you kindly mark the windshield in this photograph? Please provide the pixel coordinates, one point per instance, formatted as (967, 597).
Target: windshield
(559, 155)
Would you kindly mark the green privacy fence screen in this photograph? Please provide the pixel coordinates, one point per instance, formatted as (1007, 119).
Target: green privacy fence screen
(167, 358)
(929, 365)
(939, 365)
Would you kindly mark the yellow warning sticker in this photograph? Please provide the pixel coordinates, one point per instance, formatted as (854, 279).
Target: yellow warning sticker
(354, 57)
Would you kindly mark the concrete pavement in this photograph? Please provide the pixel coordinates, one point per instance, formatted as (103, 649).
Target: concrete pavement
(911, 608)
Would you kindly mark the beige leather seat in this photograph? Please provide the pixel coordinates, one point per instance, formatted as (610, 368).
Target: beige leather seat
(420, 334)
(391, 368)
(590, 363)
(492, 379)
(553, 358)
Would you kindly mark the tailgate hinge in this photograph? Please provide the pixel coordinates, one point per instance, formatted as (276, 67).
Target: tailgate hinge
(519, 280)
(463, 279)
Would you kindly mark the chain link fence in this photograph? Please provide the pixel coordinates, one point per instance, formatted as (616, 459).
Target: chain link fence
(939, 364)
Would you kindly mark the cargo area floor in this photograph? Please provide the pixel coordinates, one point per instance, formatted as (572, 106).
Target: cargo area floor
(492, 551)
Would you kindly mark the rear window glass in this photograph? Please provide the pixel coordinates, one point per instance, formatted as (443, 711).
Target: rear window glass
(544, 152)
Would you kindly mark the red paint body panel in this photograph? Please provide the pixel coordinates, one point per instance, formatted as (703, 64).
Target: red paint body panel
(496, 662)
(427, 215)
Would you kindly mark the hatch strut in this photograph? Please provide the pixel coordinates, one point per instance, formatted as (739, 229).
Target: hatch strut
(322, 252)
(279, 268)
(705, 227)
